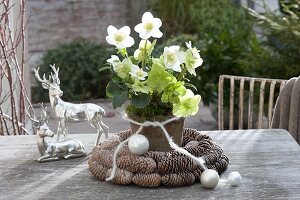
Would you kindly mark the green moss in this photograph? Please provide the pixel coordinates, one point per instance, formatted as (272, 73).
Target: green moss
(152, 112)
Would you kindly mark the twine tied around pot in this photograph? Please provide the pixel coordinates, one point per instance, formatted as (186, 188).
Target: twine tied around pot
(173, 145)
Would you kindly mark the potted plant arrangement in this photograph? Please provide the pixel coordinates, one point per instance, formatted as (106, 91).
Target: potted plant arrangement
(153, 88)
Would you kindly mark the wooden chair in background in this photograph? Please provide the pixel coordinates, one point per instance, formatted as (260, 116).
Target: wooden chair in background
(287, 109)
(250, 82)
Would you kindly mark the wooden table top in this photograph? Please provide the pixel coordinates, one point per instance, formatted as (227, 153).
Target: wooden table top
(267, 159)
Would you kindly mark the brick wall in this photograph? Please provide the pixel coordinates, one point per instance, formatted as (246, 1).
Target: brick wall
(53, 22)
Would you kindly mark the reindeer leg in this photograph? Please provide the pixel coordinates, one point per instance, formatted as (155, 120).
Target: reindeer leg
(47, 158)
(99, 133)
(105, 129)
(59, 130)
(75, 154)
(69, 156)
(65, 128)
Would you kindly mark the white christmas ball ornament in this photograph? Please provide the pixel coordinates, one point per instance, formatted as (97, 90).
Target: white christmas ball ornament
(138, 144)
(209, 178)
(234, 179)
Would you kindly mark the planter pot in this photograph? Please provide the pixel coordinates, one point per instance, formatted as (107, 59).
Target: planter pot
(156, 137)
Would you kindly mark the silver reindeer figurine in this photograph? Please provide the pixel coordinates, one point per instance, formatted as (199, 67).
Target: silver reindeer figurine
(52, 151)
(69, 112)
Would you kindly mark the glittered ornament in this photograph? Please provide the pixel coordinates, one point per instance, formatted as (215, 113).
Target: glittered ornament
(209, 178)
(234, 179)
(138, 144)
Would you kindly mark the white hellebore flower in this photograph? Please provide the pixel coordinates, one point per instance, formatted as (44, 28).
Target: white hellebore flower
(139, 53)
(149, 27)
(138, 73)
(192, 58)
(172, 58)
(123, 68)
(119, 38)
(114, 60)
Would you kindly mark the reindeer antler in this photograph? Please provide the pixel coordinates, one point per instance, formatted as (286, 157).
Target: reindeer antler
(54, 76)
(44, 80)
(36, 123)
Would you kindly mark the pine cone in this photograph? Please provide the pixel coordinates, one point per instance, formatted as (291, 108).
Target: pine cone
(206, 144)
(197, 173)
(178, 180)
(190, 133)
(192, 143)
(109, 144)
(218, 149)
(222, 164)
(201, 137)
(136, 164)
(197, 151)
(175, 164)
(147, 180)
(97, 170)
(123, 177)
(211, 157)
(212, 167)
(123, 135)
(103, 157)
(157, 156)
(124, 151)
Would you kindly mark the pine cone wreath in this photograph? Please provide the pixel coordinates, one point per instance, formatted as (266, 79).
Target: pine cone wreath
(123, 177)
(172, 169)
(147, 180)
(178, 180)
(136, 164)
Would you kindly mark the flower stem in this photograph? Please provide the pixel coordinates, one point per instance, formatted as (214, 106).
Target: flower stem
(181, 75)
(144, 55)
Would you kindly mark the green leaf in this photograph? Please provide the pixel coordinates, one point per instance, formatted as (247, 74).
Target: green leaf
(159, 78)
(152, 47)
(116, 78)
(104, 68)
(113, 89)
(123, 52)
(141, 100)
(119, 100)
(191, 86)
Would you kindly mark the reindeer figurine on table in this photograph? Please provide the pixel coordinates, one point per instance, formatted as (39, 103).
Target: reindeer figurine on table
(69, 112)
(51, 151)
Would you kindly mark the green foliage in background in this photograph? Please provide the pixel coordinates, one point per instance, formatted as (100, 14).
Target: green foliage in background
(175, 15)
(221, 30)
(280, 57)
(79, 63)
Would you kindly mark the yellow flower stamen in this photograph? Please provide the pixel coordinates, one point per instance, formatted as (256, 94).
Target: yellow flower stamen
(119, 37)
(148, 26)
(171, 58)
